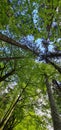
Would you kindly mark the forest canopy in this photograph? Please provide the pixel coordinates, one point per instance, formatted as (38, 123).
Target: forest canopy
(30, 64)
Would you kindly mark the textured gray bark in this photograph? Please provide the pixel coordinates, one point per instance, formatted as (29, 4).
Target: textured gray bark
(54, 112)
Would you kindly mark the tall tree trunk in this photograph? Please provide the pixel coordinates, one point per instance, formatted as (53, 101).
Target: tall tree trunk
(11, 109)
(54, 112)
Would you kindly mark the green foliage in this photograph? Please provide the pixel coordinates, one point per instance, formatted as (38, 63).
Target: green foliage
(19, 19)
(18, 16)
(31, 122)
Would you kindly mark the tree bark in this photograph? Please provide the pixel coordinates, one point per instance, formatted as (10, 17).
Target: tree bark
(15, 43)
(18, 44)
(54, 112)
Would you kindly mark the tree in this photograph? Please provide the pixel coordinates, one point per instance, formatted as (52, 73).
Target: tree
(55, 116)
(40, 20)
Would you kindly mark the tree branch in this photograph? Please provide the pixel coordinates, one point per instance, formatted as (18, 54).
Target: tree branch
(11, 58)
(7, 75)
(55, 66)
(15, 43)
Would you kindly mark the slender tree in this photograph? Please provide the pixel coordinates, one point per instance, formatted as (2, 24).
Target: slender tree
(8, 114)
(54, 112)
